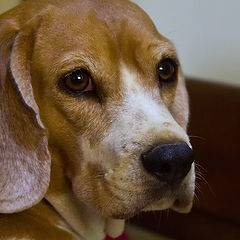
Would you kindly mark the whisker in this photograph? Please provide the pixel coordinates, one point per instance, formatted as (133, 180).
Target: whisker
(196, 198)
(200, 167)
(197, 137)
(201, 177)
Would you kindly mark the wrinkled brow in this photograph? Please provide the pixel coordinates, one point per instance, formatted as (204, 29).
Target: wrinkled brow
(71, 61)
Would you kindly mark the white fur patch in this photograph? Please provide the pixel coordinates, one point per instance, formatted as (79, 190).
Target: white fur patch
(142, 118)
(114, 227)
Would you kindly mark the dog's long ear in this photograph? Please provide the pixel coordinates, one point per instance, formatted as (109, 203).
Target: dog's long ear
(24, 156)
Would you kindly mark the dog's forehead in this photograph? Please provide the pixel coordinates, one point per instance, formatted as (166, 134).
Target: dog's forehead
(124, 22)
(112, 12)
(96, 39)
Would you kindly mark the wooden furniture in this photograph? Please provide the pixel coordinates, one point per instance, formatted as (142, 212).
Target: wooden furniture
(215, 130)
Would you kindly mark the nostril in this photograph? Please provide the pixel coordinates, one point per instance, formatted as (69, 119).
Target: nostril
(163, 171)
(165, 168)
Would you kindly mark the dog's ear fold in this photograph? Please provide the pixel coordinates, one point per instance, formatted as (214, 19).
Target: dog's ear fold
(24, 156)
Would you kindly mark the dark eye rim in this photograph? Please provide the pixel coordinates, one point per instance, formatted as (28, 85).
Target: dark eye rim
(75, 93)
(173, 79)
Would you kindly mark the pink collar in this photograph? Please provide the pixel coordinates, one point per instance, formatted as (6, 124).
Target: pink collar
(122, 237)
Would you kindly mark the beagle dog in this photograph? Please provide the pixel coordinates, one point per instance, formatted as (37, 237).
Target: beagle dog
(93, 117)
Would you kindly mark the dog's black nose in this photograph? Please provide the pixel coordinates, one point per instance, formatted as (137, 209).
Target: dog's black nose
(169, 162)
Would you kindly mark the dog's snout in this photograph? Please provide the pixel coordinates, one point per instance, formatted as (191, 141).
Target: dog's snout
(169, 162)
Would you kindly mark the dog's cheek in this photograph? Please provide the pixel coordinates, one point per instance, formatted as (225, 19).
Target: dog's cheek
(168, 94)
(89, 188)
(180, 106)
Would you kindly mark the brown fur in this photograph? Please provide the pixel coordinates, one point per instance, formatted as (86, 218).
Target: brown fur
(40, 41)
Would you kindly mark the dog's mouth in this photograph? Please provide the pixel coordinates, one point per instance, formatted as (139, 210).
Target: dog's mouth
(120, 196)
(126, 203)
(181, 204)
(131, 209)
(149, 194)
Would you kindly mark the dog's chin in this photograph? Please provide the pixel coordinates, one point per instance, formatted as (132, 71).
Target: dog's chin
(122, 215)
(162, 204)
(180, 202)
(178, 205)
(122, 200)
(128, 209)
(120, 210)
(183, 203)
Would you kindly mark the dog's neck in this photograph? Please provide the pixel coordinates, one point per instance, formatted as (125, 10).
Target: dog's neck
(83, 221)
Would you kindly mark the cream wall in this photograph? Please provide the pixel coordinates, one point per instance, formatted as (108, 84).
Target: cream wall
(206, 34)
(7, 4)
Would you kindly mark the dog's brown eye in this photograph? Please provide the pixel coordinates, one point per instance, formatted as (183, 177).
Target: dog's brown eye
(167, 70)
(78, 81)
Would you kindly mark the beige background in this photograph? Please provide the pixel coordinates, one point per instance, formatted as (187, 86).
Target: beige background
(206, 34)
(7, 4)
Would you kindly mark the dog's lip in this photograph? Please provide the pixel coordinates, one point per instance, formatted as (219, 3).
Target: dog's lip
(182, 206)
(170, 203)
(162, 204)
(181, 202)
(159, 205)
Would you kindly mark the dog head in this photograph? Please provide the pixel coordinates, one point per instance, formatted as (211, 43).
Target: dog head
(96, 84)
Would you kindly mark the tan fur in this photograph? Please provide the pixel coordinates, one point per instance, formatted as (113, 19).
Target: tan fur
(94, 143)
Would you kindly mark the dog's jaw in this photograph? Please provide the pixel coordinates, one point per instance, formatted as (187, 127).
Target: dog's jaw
(83, 222)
